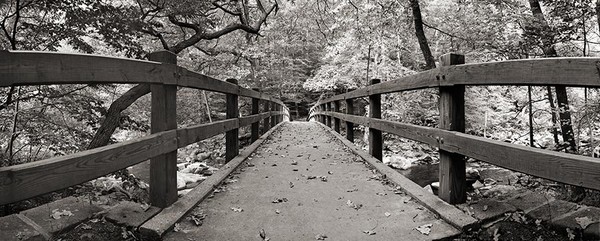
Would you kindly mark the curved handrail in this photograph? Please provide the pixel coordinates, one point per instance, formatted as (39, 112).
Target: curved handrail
(27, 180)
(42, 68)
(575, 72)
(566, 168)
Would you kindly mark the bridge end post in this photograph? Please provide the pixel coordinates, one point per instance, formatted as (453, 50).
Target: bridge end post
(328, 117)
(349, 125)
(232, 145)
(163, 168)
(452, 117)
(254, 128)
(336, 121)
(375, 137)
(273, 116)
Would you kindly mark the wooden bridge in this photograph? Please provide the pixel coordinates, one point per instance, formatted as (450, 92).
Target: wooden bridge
(298, 180)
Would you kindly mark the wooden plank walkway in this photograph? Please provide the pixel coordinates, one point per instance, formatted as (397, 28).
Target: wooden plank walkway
(304, 183)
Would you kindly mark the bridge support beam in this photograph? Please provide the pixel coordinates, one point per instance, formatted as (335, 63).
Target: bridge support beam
(349, 125)
(375, 137)
(254, 128)
(452, 117)
(163, 168)
(336, 121)
(328, 108)
(266, 121)
(232, 145)
(273, 117)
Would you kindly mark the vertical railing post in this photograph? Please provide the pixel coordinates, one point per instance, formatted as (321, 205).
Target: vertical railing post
(163, 168)
(254, 128)
(323, 117)
(336, 121)
(375, 138)
(452, 117)
(232, 144)
(328, 106)
(349, 125)
(273, 117)
(266, 124)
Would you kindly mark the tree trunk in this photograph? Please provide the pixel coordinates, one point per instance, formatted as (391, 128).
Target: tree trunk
(423, 44)
(561, 91)
(576, 193)
(553, 114)
(111, 122)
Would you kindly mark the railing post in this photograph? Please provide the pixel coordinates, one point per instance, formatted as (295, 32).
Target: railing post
(254, 128)
(452, 117)
(328, 106)
(266, 124)
(336, 121)
(163, 168)
(349, 125)
(232, 144)
(273, 117)
(323, 117)
(375, 138)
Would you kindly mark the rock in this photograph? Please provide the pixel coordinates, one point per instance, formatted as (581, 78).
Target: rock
(428, 188)
(477, 185)
(472, 174)
(196, 168)
(398, 162)
(185, 178)
(499, 190)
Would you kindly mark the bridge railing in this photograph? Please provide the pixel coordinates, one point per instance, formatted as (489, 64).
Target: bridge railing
(453, 144)
(27, 180)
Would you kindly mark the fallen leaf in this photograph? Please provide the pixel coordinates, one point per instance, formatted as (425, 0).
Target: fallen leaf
(485, 207)
(58, 214)
(263, 235)
(353, 205)
(291, 185)
(280, 200)
(323, 178)
(352, 190)
(380, 194)
(85, 226)
(311, 177)
(239, 210)
(277, 211)
(321, 237)
(425, 229)
(369, 232)
(294, 163)
(583, 222)
(387, 214)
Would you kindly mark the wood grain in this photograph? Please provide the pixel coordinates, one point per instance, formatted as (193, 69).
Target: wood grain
(196, 133)
(447, 212)
(164, 221)
(253, 119)
(31, 179)
(557, 166)
(232, 142)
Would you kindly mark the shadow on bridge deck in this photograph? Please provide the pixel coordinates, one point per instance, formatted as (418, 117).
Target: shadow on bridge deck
(304, 182)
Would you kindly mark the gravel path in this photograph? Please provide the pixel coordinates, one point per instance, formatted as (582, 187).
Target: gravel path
(303, 184)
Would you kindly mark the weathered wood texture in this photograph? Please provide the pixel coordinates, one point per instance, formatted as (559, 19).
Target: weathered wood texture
(453, 185)
(41, 68)
(31, 179)
(273, 116)
(164, 221)
(336, 121)
(576, 72)
(349, 125)
(253, 119)
(163, 168)
(267, 121)
(192, 134)
(255, 109)
(447, 212)
(561, 167)
(328, 118)
(375, 137)
(232, 143)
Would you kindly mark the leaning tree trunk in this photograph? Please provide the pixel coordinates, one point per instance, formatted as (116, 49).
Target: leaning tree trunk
(111, 121)
(423, 44)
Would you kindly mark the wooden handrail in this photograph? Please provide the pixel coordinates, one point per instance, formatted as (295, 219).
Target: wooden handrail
(27, 180)
(562, 167)
(44, 68)
(574, 72)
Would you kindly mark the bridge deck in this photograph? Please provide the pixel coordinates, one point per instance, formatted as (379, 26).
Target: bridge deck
(301, 183)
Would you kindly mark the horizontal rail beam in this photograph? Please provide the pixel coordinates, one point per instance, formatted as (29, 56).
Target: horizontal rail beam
(575, 72)
(43, 68)
(31, 179)
(247, 120)
(558, 166)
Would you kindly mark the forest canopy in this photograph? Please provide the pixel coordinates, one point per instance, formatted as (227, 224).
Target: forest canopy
(296, 50)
